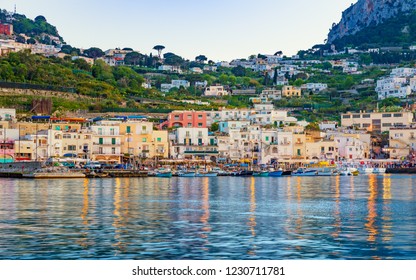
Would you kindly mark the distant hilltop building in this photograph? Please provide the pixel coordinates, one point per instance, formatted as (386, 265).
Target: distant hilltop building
(6, 29)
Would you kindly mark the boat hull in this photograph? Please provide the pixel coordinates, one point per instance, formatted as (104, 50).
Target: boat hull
(276, 173)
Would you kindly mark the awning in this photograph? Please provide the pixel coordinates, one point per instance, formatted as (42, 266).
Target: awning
(70, 155)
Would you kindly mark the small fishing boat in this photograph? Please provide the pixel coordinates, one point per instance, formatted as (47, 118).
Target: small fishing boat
(261, 173)
(203, 173)
(327, 171)
(379, 170)
(277, 173)
(186, 174)
(245, 173)
(305, 172)
(163, 173)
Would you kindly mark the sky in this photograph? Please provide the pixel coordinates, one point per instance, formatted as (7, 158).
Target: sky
(219, 29)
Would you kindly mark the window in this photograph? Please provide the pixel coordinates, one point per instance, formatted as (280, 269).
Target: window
(58, 127)
(112, 131)
(128, 129)
(365, 125)
(199, 116)
(299, 152)
(267, 138)
(386, 124)
(346, 116)
(144, 128)
(189, 117)
(113, 141)
(100, 131)
(199, 133)
(159, 139)
(187, 134)
(113, 151)
(72, 148)
(67, 136)
(366, 116)
(356, 116)
(100, 141)
(199, 124)
(386, 115)
(398, 115)
(144, 139)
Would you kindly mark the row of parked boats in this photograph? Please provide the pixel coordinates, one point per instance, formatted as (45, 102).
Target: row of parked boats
(320, 171)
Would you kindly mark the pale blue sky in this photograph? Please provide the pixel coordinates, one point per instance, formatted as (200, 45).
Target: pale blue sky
(219, 29)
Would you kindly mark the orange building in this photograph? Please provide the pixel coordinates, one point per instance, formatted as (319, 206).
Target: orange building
(6, 29)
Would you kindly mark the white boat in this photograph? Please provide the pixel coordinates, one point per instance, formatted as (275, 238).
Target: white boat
(366, 170)
(305, 172)
(379, 170)
(327, 171)
(186, 174)
(348, 171)
(203, 173)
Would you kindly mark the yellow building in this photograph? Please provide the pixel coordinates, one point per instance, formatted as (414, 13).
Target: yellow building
(139, 139)
(377, 121)
(299, 145)
(402, 142)
(29, 128)
(291, 91)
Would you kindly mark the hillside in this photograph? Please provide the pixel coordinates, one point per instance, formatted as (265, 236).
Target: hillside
(38, 29)
(399, 31)
(369, 14)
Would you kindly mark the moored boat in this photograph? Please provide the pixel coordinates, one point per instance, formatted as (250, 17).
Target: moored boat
(379, 170)
(327, 171)
(163, 173)
(277, 173)
(305, 172)
(261, 173)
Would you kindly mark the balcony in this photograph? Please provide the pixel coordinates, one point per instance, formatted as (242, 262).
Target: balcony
(106, 144)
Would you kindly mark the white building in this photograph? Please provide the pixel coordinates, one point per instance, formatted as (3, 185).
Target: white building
(193, 143)
(180, 83)
(314, 87)
(170, 68)
(392, 87)
(215, 91)
(106, 141)
(7, 114)
(271, 94)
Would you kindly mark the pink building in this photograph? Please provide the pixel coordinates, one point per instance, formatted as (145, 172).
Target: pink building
(6, 151)
(185, 119)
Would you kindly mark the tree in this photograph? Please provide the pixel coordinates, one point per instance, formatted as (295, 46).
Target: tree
(133, 58)
(173, 59)
(40, 19)
(239, 71)
(298, 82)
(201, 58)
(159, 49)
(94, 52)
(214, 127)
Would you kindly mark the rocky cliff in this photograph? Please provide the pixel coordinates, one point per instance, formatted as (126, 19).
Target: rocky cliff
(368, 12)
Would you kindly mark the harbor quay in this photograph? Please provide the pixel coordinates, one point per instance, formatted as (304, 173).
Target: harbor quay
(224, 142)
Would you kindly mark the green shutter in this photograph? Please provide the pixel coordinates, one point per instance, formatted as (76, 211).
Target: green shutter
(100, 141)
(128, 129)
(113, 141)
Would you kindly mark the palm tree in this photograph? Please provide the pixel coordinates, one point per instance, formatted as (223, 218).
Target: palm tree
(159, 49)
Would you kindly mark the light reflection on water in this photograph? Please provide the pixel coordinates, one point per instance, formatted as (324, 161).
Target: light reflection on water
(364, 217)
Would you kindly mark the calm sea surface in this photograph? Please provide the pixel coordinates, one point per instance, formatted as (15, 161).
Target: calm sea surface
(364, 217)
